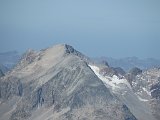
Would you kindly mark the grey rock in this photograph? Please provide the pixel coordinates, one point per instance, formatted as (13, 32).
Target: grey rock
(119, 70)
(135, 71)
(130, 76)
(155, 90)
(107, 71)
(146, 86)
(57, 83)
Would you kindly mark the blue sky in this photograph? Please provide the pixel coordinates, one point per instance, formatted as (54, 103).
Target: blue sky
(115, 28)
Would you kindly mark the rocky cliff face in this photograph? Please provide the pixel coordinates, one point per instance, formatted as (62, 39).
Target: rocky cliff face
(57, 83)
(147, 87)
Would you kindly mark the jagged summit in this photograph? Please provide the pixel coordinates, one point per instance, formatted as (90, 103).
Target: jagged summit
(64, 48)
(67, 49)
(56, 50)
(33, 63)
(48, 57)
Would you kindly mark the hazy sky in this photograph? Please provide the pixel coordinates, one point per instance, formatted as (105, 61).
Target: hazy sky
(116, 28)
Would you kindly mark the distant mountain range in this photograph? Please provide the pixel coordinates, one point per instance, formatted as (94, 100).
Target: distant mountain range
(8, 60)
(3, 68)
(61, 83)
(130, 62)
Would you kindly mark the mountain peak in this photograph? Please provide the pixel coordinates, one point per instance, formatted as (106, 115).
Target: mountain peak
(65, 48)
(58, 83)
(33, 61)
(69, 49)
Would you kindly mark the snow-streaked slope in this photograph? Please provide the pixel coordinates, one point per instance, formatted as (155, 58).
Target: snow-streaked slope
(147, 86)
(112, 82)
(121, 88)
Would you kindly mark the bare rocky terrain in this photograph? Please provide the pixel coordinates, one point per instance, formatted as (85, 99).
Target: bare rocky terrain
(60, 83)
(57, 84)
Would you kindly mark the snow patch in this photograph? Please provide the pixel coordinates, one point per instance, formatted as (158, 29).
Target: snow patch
(153, 90)
(105, 80)
(112, 82)
(141, 99)
(145, 90)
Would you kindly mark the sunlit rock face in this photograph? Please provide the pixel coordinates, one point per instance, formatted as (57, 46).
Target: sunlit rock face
(57, 83)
